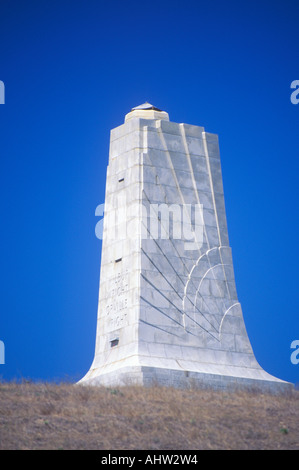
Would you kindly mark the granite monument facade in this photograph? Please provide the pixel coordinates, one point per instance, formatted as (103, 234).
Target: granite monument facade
(168, 309)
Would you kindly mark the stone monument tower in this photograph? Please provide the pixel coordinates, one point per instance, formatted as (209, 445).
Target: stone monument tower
(168, 308)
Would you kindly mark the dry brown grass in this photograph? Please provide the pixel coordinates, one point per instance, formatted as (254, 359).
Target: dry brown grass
(50, 416)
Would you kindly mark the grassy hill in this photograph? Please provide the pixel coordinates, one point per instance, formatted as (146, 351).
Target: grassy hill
(51, 416)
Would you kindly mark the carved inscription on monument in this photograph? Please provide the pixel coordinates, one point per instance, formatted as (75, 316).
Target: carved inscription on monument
(117, 303)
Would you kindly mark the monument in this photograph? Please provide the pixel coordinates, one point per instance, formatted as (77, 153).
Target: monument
(168, 309)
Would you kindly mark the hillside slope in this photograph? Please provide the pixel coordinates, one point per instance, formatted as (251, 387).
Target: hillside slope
(50, 416)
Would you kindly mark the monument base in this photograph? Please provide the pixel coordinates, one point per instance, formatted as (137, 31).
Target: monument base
(151, 376)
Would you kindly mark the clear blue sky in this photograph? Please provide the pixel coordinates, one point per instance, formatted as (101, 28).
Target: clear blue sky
(72, 69)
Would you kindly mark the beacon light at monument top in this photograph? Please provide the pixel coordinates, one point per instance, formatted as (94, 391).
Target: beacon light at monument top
(168, 309)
